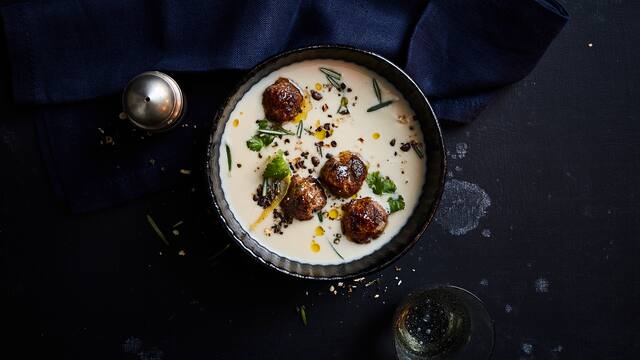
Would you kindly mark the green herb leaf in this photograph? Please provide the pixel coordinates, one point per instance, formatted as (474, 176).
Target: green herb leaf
(395, 204)
(157, 230)
(263, 124)
(320, 216)
(280, 132)
(334, 249)
(331, 73)
(333, 82)
(380, 184)
(278, 167)
(303, 314)
(229, 161)
(379, 106)
(418, 149)
(255, 143)
(265, 186)
(299, 130)
(376, 90)
(344, 103)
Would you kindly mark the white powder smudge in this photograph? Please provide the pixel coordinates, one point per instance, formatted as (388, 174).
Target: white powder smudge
(484, 282)
(527, 348)
(508, 308)
(463, 205)
(542, 285)
(486, 233)
(461, 150)
(132, 345)
(151, 354)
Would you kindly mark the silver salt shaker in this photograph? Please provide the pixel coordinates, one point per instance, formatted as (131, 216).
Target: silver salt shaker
(153, 101)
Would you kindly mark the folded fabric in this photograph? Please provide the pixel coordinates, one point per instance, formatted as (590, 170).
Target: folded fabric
(62, 52)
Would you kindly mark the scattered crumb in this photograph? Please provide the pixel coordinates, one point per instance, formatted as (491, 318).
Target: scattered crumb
(376, 296)
(182, 253)
(185, 171)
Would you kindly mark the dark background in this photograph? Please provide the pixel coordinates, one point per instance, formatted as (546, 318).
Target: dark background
(558, 154)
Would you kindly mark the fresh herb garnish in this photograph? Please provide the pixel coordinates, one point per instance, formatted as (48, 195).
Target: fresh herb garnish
(279, 132)
(259, 141)
(157, 230)
(331, 73)
(343, 109)
(380, 184)
(299, 130)
(265, 186)
(277, 168)
(376, 89)
(395, 204)
(379, 106)
(303, 314)
(334, 249)
(418, 149)
(228, 156)
(320, 216)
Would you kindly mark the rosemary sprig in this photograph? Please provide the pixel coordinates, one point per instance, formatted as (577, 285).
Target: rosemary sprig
(376, 89)
(178, 224)
(334, 249)
(331, 73)
(344, 109)
(379, 106)
(157, 230)
(299, 130)
(228, 156)
(265, 184)
(418, 149)
(276, 132)
(334, 82)
(319, 148)
(303, 314)
(309, 131)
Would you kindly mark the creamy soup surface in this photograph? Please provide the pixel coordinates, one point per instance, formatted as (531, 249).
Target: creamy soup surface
(378, 136)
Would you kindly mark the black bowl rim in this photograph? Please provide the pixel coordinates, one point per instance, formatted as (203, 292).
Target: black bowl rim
(209, 153)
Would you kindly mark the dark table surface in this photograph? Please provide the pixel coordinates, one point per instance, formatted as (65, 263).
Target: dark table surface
(555, 257)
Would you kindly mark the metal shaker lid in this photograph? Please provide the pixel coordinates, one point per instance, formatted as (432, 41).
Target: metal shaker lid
(153, 101)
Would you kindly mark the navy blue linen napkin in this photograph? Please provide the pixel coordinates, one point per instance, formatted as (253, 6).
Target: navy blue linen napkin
(79, 54)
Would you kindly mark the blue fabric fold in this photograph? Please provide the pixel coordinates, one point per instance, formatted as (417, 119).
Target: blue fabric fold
(72, 52)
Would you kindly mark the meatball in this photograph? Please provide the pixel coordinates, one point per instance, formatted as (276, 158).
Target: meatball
(282, 101)
(363, 220)
(304, 197)
(344, 174)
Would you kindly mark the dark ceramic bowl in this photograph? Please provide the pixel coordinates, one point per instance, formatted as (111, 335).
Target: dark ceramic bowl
(431, 191)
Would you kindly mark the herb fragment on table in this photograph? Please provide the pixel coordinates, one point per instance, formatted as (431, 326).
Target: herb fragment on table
(331, 73)
(395, 204)
(218, 253)
(185, 171)
(228, 156)
(320, 216)
(178, 224)
(303, 314)
(379, 106)
(157, 230)
(380, 184)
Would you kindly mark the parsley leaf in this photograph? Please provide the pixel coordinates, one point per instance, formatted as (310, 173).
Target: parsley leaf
(380, 184)
(395, 204)
(277, 168)
(255, 143)
(259, 141)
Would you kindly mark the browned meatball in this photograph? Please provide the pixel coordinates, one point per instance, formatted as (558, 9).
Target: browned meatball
(363, 220)
(344, 174)
(304, 197)
(282, 101)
